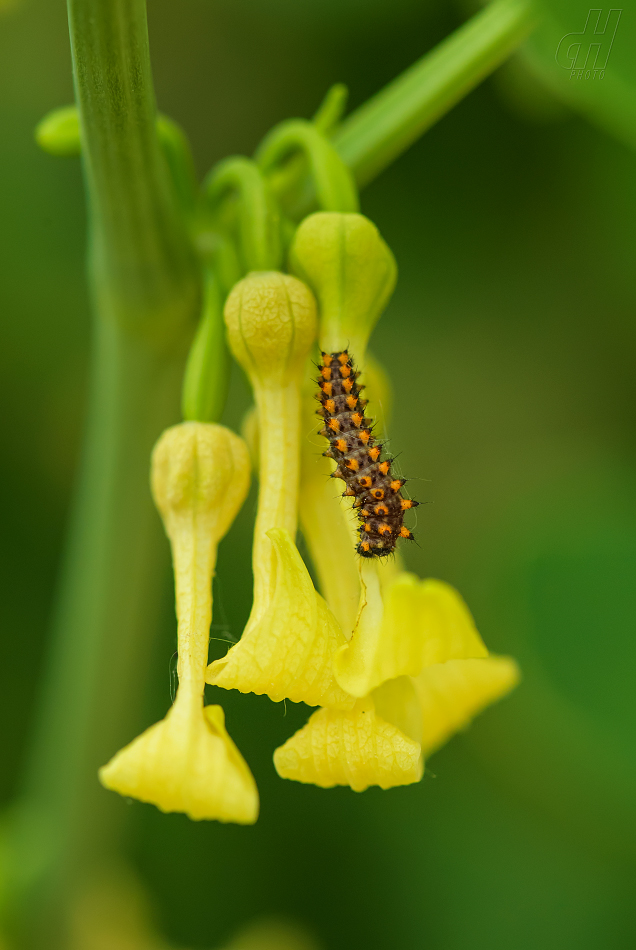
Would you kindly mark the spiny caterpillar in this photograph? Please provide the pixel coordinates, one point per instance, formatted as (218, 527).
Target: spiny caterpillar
(377, 493)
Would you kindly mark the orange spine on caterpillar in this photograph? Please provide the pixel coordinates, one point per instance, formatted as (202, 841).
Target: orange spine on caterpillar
(378, 497)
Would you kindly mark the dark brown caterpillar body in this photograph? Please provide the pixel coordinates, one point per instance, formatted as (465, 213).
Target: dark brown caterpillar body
(378, 496)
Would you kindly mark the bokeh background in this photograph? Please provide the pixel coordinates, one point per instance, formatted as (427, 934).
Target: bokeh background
(511, 344)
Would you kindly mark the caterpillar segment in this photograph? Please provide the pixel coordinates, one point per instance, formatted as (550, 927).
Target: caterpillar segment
(377, 494)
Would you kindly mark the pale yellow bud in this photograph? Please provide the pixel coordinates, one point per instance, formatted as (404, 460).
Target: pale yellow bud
(271, 324)
(200, 468)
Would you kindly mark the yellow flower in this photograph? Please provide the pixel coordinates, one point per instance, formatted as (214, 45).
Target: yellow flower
(187, 762)
(413, 658)
(416, 624)
(291, 635)
(421, 672)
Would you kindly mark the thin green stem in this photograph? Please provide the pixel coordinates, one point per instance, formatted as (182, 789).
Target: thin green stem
(258, 226)
(375, 134)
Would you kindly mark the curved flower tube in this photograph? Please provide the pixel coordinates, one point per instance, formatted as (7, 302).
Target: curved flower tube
(187, 762)
(333, 181)
(258, 222)
(287, 647)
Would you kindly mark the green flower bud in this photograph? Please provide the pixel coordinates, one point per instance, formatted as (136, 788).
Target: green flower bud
(352, 272)
(58, 133)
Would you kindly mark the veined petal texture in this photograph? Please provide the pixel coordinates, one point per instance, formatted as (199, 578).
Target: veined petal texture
(288, 653)
(186, 763)
(350, 747)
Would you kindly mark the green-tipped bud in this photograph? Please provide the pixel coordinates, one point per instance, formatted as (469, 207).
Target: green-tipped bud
(271, 324)
(59, 132)
(352, 272)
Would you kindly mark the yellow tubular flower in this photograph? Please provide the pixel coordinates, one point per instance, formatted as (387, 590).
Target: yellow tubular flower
(289, 653)
(287, 647)
(187, 762)
(426, 630)
(415, 661)
(352, 272)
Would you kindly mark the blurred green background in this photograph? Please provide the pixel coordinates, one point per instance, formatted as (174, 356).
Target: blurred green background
(511, 343)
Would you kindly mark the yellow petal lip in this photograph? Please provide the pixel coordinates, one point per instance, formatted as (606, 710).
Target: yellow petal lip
(424, 623)
(350, 747)
(186, 763)
(452, 693)
(288, 653)
(398, 702)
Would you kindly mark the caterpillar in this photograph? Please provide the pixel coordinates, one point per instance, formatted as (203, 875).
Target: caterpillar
(378, 497)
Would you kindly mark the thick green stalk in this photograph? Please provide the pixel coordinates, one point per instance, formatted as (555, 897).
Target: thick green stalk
(375, 134)
(108, 613)
(141, 261)
(144, 282)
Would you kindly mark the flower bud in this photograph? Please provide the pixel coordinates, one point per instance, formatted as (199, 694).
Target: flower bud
(58, 133)
(351, 271)
(271, 324)
(202, 468)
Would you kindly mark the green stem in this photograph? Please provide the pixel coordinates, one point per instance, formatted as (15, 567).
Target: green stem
(145, 286)
(107, 616)
(142, 264)
(375, 134)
